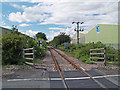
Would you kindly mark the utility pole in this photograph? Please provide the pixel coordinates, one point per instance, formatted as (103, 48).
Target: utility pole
(14, 28)
(78, 30)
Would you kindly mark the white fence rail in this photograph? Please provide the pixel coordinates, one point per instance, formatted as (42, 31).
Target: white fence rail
(25, 54)
(100, 53)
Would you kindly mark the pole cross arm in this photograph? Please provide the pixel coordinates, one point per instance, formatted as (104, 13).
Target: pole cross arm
(82, 29)
(78, 30)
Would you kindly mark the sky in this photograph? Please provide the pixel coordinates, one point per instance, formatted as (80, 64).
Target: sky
(51, 18)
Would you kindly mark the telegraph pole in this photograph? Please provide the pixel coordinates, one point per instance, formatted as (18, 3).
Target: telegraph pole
(78, 30)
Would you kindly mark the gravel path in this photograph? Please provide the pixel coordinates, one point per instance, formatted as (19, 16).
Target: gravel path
(47, 63)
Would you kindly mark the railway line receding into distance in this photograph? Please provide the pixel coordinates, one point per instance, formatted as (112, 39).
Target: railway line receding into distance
(62, 59)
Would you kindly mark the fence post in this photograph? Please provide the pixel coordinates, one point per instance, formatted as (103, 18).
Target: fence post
(23, 54)
(105, 56)
(90, 56)
(92, 44)
(33, 57)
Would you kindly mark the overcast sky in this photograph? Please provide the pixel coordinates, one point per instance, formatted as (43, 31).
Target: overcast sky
(54, 17)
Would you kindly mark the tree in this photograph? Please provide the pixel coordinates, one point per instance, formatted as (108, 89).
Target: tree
(15, 30)
(41, 35)
(61, 38)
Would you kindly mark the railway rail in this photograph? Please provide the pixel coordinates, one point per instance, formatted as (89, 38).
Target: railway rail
(58, 67)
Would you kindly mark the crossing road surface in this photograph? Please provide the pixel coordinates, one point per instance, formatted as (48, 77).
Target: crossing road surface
(74, 79)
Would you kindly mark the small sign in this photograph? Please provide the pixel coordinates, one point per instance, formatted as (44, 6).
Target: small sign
(65, 44)
(98, 30)
(39, 43)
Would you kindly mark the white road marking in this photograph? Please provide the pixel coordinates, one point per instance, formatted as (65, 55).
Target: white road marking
(35, 79)
(55, 78)
(92, 77)
(19, 80)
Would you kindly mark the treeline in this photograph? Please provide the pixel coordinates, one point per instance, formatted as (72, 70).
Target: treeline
(13, 44)
(58, 40)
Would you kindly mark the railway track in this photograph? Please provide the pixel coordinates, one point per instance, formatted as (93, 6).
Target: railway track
(62, 58)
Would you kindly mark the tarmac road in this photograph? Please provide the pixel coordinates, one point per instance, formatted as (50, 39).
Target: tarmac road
(43, 79)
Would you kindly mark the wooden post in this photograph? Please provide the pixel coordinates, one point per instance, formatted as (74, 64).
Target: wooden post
(105, 56)
(92, 44)
(23, 54)
(90, 55)
(33, 57)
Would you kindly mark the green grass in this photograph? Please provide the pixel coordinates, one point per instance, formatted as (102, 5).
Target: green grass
(114, 63)
(38, 60)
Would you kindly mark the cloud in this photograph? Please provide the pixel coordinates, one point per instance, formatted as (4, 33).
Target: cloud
(35, 1)
(53, 13)
(52, 34)
(30, 14)
(24, 25)
(64, 13)
(56, 28)
(5, 26)
(56, 1)
(16, 17)
(18, 6)
(30, 33)
(2, 23)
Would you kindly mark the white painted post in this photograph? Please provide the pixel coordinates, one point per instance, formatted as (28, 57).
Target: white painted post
(90, 55)
(105, 56)
(23, 54)
(33, 57)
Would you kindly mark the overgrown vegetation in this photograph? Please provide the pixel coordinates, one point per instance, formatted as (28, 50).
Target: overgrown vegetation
(39, 51)
(12, 45)
(82, 52)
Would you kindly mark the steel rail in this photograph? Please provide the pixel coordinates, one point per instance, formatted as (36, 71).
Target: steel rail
(80, 69)
(58, 69)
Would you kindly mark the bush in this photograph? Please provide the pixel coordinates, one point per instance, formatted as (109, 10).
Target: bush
(83, 51)
(12, 45)
(39, 51)
(112, 54)
(85, 59)
(99, 45)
